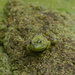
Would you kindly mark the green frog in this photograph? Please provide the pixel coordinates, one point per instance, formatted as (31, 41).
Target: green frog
(38, 43)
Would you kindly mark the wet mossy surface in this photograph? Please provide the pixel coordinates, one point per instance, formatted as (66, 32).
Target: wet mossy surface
(20, 26)
(4, 63)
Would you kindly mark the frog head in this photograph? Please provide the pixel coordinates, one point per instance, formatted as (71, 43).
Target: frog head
(38, 43)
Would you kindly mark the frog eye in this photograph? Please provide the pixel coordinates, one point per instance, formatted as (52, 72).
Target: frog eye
(39, 41)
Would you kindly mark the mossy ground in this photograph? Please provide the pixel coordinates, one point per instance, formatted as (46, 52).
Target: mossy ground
(58, 60)
(65, 5)
(4, 63)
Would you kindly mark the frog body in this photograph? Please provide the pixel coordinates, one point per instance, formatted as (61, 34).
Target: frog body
(38, 43)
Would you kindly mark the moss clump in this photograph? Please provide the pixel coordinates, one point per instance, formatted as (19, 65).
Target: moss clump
(4, 65)
(25, 21)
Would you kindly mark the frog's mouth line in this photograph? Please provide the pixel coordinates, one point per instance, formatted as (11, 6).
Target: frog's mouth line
(39, 51)
(38, 48)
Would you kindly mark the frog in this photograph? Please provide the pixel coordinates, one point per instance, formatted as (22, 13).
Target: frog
(38, 43)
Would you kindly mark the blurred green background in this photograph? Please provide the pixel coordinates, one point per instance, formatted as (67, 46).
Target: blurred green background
(61, 5)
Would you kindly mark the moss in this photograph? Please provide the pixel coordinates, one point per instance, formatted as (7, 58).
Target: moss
(16, 73)
(1, 49)
(22, 23)
(4, 64)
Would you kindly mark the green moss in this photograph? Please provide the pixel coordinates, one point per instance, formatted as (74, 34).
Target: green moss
(1, 49)
(22, 24)
(4, 64)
